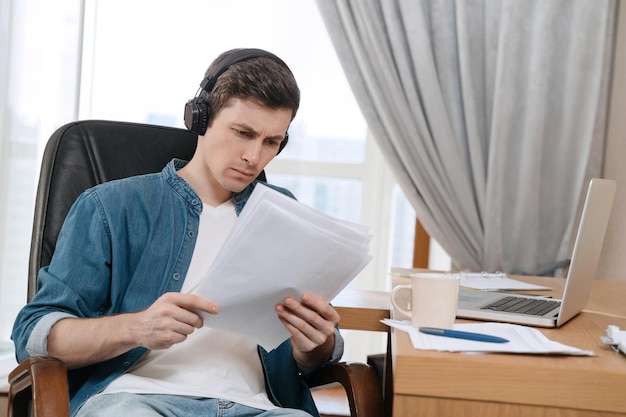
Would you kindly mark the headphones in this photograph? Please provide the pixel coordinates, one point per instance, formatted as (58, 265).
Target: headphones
(196, 110)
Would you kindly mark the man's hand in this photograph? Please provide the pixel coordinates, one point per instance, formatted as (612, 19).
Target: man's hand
(170, 319)
(311, 323)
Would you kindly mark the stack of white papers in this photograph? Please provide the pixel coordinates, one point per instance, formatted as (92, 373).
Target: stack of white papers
(278, 248)
(522, 339)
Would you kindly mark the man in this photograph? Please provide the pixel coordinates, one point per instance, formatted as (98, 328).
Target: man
(116, 304)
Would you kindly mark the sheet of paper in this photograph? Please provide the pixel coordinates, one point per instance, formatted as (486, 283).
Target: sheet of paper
(615, 337)
(483, 281)
(495, 282)
(278, 248)
(522, 339)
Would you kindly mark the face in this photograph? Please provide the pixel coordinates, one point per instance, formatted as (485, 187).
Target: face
(243, 138)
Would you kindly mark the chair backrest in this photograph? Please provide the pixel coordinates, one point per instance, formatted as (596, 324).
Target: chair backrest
(82, 154)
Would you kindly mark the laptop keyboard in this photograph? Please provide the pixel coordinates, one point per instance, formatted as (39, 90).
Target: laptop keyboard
(529, 306)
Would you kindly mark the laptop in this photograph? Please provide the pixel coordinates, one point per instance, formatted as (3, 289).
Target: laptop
(544, 311)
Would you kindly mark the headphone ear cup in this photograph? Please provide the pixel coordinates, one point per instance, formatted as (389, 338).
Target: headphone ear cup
(196, 116)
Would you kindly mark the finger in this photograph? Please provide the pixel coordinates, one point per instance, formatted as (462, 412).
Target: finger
(169, 337)
(186, 321)
(163, 325)
(186, 307)
(314, 311)
(303, 341)
(322, 307)
(195, 302)
(304, 324)
(298, 314)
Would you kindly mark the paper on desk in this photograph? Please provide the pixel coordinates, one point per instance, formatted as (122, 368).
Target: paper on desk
(495, 282)
(484, 281)
(522, 339)
(278, 248)
(615, 337)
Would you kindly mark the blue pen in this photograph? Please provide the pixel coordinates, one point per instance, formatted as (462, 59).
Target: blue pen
(463, 335)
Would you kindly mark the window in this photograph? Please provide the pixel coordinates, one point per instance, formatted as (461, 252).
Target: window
(140, 61)
(39, 57)
(143, 73)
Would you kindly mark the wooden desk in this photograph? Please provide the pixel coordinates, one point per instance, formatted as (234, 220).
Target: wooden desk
(428, 383)
(362, 309)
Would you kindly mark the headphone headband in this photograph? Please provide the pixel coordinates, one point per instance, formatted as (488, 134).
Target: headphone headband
(237, 55)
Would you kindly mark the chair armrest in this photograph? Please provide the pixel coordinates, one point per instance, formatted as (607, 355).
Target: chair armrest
(42, 382)
(360, 382)
(45, 379)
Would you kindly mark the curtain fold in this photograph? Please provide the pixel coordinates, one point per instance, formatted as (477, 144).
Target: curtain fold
(486, 111)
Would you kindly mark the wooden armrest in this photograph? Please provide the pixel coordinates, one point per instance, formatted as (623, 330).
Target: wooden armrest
(42, 382)
(360, 382)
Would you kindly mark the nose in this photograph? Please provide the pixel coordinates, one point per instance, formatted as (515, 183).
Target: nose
(252, 152)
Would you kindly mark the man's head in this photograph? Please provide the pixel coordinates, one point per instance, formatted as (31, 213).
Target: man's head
(251, 74)
(242, 112)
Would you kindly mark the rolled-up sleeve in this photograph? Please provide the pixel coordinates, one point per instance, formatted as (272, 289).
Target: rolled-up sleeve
(82, 250)
(37, 344)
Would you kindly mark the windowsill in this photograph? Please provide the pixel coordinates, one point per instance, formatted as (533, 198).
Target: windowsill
(7, 364)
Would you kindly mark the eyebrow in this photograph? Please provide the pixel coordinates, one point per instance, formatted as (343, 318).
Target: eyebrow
(254, 132)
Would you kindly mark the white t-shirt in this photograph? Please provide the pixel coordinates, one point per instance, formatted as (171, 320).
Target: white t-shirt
(209, 363)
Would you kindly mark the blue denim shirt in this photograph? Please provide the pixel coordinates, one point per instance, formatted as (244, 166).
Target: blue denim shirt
(123, 244)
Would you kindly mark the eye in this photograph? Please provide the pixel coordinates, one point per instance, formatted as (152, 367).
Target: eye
(243, 133)
(272, 142)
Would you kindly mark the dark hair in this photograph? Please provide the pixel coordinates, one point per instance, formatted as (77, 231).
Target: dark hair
(266, 80)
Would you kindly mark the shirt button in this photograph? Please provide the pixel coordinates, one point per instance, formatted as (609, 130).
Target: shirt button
(194, 202)
(190, 233)
(127, 364)
(176, 276)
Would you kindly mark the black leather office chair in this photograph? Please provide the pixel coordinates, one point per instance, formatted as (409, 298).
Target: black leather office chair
(80, 155)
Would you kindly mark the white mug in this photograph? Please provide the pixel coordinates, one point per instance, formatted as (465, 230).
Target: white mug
(433, 299)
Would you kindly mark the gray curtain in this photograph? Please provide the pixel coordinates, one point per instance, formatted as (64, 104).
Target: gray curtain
(487, 111)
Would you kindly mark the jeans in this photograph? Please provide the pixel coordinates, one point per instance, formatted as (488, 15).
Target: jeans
(147, 405)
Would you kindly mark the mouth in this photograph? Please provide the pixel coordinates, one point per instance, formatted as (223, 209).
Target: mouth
(245, 173)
